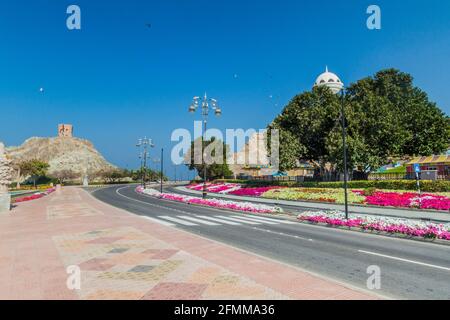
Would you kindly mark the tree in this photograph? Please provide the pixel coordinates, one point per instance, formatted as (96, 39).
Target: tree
(215, 161)
(304, 125)
(151, 175)
(112, 175)
(64, 175)
(34, 168)
(386, 118)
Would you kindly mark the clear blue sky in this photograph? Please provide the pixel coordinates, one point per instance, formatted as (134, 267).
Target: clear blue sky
(117, 79)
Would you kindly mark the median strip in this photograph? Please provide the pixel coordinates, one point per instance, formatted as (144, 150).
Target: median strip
(215, 203)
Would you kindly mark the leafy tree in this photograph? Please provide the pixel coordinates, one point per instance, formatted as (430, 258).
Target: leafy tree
(34, 168)
(112, 175)
(387, 118)
(304, 125)
(216, 163)
(151, 175)
(62, 176)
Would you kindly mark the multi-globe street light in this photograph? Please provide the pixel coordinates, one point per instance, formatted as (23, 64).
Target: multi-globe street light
(332, 81)
(206, 104)
(144, 143)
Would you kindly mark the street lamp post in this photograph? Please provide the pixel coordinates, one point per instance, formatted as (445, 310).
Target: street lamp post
(141, 168)
(162, 169)
(145, 143)
(344, 143)
(206, 104)
(333, 82)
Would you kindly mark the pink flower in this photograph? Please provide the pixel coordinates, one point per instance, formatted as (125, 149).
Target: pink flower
(252, 192)
(408, 200)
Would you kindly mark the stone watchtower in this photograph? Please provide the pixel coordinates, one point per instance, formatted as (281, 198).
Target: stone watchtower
(65, 130)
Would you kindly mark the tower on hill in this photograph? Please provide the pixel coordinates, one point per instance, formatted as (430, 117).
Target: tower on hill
(65, 130)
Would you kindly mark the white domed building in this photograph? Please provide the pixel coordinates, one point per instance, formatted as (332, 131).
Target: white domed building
(330, 80)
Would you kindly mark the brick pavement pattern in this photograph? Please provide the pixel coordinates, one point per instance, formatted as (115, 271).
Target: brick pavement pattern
(123, 256)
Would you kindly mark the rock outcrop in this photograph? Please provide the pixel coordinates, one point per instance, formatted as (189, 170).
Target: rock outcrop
(5, 170)
(5, 180)
(61, 153)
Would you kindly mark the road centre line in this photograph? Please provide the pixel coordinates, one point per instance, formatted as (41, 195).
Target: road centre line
(404, 260)
(282, 234)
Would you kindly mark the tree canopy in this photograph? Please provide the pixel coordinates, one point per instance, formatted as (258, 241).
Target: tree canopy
(216, 158)
(387, 118)
(34, 168)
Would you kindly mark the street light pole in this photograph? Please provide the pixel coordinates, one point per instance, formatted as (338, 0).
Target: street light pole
(141, 157)
(344, 142)
(332, 81)
(145, 143)
(162, 169)
(206, 104)
(205, 191)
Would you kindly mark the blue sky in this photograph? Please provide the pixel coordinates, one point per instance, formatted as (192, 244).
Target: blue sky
(117, 80)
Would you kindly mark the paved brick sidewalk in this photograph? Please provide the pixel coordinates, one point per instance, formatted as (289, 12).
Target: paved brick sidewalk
(122, 256)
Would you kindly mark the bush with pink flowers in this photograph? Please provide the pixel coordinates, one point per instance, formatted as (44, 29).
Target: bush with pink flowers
(216, 203)
(253, 192)
(407, 227)
(34, 196)
(409, 200)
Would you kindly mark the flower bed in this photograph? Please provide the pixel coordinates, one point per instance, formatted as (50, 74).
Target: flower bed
(313, 194)
(409, 199)
(332, 195)
(383, 224)
(34, 196)
(216, 203)
(253, 192)
(217, 188)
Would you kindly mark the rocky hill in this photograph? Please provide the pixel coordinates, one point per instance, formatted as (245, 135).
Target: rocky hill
(61, 153)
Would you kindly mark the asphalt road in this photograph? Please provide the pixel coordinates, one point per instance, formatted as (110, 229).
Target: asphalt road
(409, 269)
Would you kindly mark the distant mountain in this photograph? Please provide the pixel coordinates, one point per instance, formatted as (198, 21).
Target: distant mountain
(61, 153)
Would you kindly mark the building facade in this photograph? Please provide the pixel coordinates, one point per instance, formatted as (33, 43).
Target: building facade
(439, 163)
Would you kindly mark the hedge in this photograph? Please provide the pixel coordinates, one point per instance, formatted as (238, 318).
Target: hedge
(427, 186)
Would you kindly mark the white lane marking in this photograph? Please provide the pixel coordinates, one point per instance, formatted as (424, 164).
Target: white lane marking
(283, 234)
(148, 203)
(159, 221)
(199, 221)
(404, 260)
(186, 223)
(273, 220)
(220, 220)
(238, 220)
(254, 220)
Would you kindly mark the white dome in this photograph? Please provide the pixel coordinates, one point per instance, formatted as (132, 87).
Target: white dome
(330, 80)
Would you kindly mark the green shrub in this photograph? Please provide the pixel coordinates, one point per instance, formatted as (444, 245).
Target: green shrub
(369, 191)
(427, 186)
